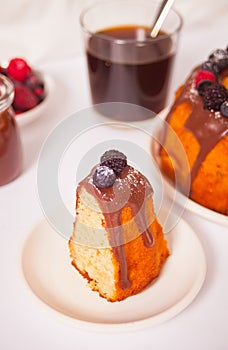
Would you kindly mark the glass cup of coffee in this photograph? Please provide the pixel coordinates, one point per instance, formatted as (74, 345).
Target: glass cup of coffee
(125, 64)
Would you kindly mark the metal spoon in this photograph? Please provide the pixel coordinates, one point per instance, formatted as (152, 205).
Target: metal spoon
(161, 15)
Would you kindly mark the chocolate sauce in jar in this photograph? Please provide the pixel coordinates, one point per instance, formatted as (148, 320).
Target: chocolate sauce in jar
(10, 144)
(129, 71)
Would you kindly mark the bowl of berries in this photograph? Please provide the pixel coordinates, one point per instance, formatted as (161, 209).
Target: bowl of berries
(31, 89)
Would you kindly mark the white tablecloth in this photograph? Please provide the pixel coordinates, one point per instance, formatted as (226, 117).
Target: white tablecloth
(24, 323)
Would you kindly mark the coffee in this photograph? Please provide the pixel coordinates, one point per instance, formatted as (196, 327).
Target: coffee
(136, 72)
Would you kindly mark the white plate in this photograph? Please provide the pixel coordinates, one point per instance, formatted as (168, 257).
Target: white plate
(189, 204)
(49, 274)
(36, 112)
(195, 207)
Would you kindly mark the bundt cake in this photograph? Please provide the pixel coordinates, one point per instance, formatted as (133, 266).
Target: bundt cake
(117, 242)
(199, 117)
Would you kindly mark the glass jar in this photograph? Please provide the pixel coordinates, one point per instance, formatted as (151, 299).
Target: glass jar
(10, 143)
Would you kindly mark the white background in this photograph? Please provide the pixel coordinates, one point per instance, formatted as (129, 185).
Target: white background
(47, 33)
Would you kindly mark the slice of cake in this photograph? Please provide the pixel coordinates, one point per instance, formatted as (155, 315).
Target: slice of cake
(199, 116)
(117, 243)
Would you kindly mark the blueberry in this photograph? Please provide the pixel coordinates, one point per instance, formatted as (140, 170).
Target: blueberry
(103, 177)
(115, 160)
(210, 66)
(224, 108)
(220, 58)
(223, 64)
(203, 84)
(218, 55)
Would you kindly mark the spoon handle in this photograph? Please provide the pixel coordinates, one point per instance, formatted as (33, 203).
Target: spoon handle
(161, 15)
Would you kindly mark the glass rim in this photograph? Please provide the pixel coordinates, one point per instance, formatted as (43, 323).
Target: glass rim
(127, 41)
(6, 97)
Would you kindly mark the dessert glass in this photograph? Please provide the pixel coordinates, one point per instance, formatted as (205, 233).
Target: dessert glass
(124, 63)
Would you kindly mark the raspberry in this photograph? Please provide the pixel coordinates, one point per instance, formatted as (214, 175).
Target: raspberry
(213, 96)
(115, 160)
(204, 75)
(24, 99)
(103, 177)
(18, 69)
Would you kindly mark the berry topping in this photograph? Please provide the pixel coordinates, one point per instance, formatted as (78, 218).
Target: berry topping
(224, 108)
(34, 81)
(28, 83)
(115, 160)
(210, 66)
(24, 98)
(220, 58)
(203, 84)
(204, 75)
(218, 55)
(103, 177)
(213, 96)
(18, 69)
(39, 92)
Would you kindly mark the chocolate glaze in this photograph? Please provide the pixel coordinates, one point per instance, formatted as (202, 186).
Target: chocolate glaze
(208, 127)
(131, 189)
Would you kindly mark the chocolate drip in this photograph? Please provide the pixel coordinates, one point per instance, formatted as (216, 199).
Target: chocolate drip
(131, 189)
(141, 222)
(208, 127)
(116, 241)
(148, 238)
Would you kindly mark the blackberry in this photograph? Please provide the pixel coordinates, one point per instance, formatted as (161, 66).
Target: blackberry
(103, 177)
(213, 96)
(115, 160)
